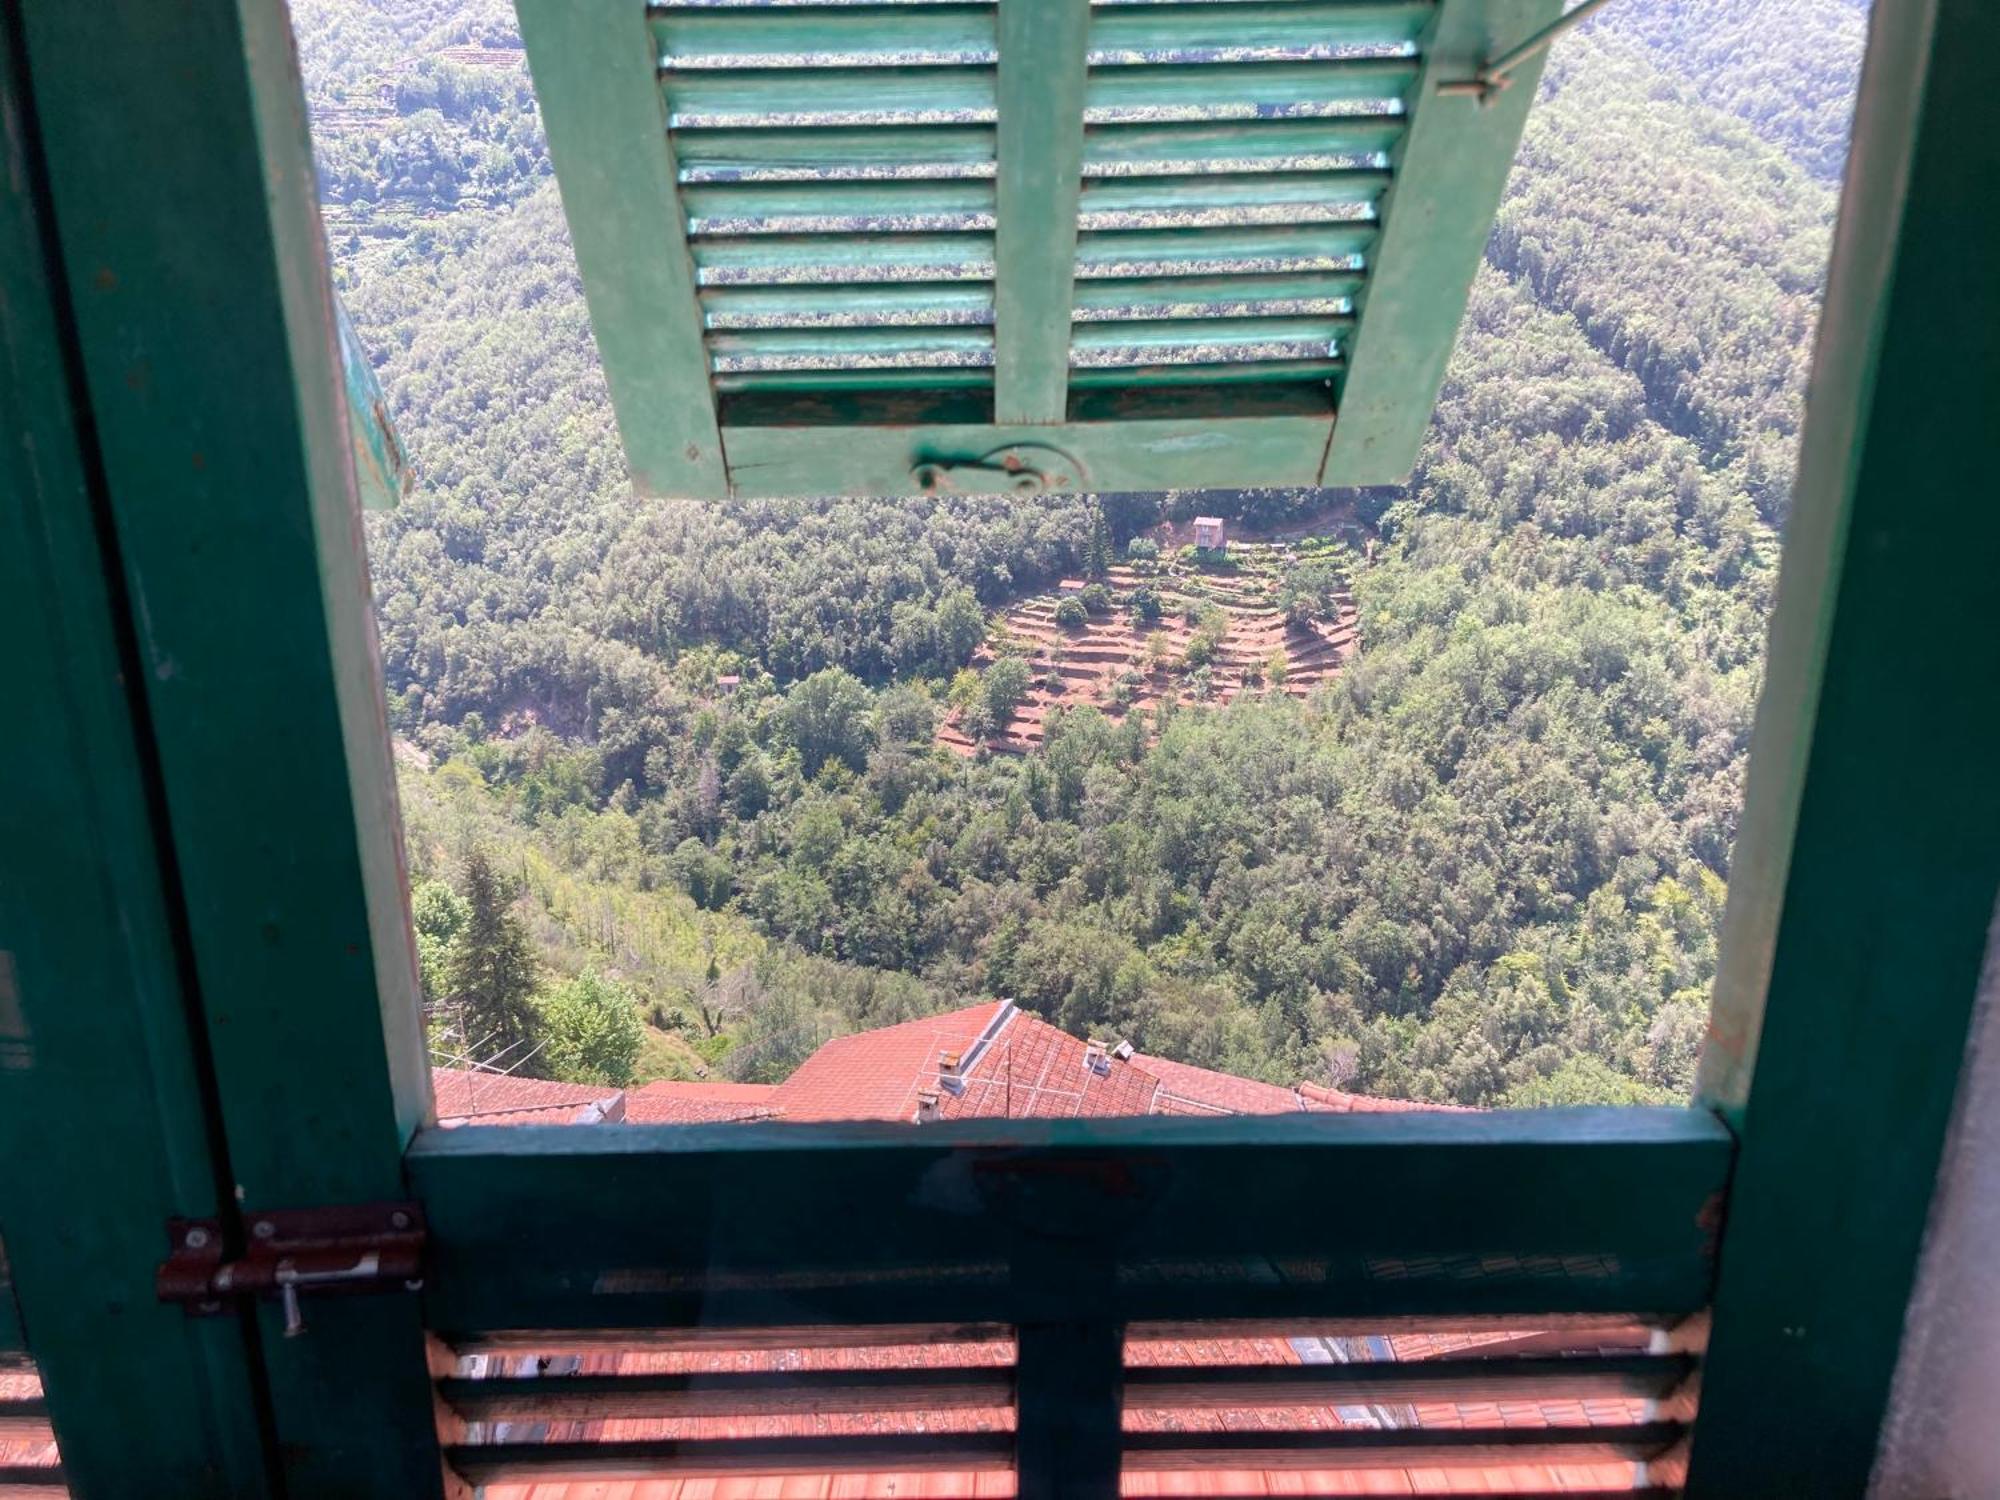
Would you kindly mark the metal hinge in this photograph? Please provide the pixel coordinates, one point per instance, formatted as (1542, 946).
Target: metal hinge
(362, 1247)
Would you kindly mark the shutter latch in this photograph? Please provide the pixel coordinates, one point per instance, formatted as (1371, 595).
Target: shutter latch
(363, 1247)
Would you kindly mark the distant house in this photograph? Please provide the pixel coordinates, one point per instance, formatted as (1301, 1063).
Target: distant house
(1209, 534)
(728, 683)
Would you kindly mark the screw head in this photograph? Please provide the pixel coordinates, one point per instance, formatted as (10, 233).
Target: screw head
(196, 1237)
(400, 1219)
(263, 1229)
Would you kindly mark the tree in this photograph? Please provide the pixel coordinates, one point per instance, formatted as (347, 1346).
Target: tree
(1207, 638)
(1070, 613)
(437, 914)
(1311, 591)
(1006, 685)
(593, 1030)
(491, 970)
(1097, 547)
(827, 718)
(960, 626)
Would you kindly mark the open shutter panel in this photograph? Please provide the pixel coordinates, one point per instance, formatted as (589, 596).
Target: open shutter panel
(1028, 245)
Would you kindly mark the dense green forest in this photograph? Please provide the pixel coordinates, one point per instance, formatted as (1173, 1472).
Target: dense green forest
(674, 761)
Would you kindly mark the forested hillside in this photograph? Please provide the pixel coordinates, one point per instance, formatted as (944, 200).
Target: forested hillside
(675, 760)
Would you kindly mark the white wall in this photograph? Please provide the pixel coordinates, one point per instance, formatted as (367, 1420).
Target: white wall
(1942, 1441)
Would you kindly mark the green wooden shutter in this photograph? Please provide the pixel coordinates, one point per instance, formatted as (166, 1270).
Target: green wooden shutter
(1033, 244)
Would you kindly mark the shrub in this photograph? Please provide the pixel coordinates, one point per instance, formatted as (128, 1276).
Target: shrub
(1071, 614)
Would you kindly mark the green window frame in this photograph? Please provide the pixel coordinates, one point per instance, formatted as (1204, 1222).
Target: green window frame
(207, 986)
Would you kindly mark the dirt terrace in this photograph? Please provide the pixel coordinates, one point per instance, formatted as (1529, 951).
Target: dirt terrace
(1112, 664)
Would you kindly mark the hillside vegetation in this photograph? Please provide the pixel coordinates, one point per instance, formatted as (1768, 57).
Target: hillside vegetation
(1484, 861)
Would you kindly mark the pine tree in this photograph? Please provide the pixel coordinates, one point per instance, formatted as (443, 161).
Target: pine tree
(490, 972)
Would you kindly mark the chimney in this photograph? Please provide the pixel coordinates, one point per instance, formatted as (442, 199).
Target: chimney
(927, 1106)
(951, 1075)
(1095, 1059)
(1123, 1051)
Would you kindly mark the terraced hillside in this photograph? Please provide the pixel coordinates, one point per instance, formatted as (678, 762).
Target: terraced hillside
(1265, 617)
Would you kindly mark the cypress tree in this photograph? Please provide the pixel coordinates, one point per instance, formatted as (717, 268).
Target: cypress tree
(1097, 550)
(490, 972)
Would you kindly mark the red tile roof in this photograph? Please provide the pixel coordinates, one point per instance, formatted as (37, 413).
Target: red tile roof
(463, 1096)
(1333, 1101)
(877, 1075)
(1010, 1064)
(30, 1444)
(1188, 1090)
(671, 1103)
(1030, 1069)
(985, 1061)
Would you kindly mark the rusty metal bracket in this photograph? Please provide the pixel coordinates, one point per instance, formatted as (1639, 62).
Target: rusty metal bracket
(363, 1247)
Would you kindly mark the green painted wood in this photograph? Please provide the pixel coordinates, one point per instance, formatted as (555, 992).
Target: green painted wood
(839, 207)
(600, 103)
(1042, 81)
(1228, 200)
(846, 307)
(1209, 340)
(1450, 171)
(1033, 147)
(814, 260)
(720, 1458)
(804, 453)
(784, 98)
(27, 1482)
(1285, 368)
(1877, 750)
(189, 232)
(850, 349)
(1225, 252)
(1252, 91)
(1286, 32)
(1560, 1377)
(1334, 143)
(13, 1341)
(828, 383)
(1071, 1376)
(990, 1452)
(835, 155)
(725, 1393)
(1561, 1211)
(1399, 1447)
(381, 473)
(102, 1107)
(1213, 297)
(701, 37)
